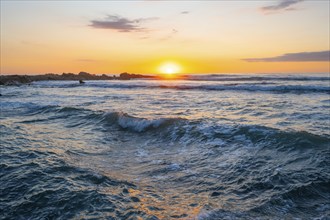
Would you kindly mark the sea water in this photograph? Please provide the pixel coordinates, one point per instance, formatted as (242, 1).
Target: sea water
(253, 146)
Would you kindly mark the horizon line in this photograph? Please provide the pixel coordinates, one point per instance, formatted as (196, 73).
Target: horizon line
(195, 73)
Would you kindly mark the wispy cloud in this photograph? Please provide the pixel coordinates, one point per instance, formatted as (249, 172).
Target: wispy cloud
(185, 12)
(121, 24)
(170, 35)
(280, 6)
(319, 56)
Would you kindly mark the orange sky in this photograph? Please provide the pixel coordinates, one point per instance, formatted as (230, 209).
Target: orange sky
(142, 36)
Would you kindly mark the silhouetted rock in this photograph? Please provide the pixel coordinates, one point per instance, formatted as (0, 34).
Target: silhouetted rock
(105, 77)
(82, 76)
(14, 80)
(128, 76)
(125, 76)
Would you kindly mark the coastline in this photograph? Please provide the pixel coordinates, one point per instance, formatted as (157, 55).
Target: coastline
(82, 76)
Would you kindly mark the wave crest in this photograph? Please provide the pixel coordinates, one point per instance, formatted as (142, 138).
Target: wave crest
(136, 124)
(255, 85)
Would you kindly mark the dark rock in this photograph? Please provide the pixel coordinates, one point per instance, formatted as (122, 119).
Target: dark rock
(14, 80)
(128, 76)
(84, 74)
(23, 79)
(125, 76)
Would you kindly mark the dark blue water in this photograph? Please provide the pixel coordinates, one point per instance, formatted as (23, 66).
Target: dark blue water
(209, 147)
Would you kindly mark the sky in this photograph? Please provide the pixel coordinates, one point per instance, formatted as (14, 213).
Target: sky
(280, 36)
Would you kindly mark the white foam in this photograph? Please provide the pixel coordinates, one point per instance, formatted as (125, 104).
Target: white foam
(174, 166)
(138, 124)
(142, 153)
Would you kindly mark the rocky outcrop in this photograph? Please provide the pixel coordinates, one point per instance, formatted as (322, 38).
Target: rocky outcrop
(82, 76)
(128, 76)
(14, 80)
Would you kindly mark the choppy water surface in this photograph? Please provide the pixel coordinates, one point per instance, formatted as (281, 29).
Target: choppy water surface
(209, 147)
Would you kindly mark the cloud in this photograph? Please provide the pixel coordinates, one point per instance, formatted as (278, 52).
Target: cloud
(185, 12)
(281, 5)
(121, 24)
(174, 31)
(319, 56)
(170, 35)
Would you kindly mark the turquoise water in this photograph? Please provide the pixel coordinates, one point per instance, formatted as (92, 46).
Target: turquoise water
(208, 147)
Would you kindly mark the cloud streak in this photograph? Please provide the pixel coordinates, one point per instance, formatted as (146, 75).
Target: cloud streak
(121, 24)
(281, 5)
(319, 56)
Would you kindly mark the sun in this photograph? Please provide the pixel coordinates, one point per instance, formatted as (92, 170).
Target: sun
(169, 68)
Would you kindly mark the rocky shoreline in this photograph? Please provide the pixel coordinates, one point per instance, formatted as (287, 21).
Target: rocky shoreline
(81, 77)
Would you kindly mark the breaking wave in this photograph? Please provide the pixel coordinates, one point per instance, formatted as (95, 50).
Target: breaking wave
(137, 124)
(237, 77)
(178, 129)
(251, 87)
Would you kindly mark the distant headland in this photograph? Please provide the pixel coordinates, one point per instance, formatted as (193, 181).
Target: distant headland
(81, 77)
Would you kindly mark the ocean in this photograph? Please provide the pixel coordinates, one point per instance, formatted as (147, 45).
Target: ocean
(235, 146)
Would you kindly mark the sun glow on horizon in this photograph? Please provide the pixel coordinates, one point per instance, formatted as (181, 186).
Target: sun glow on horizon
(170, 68)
